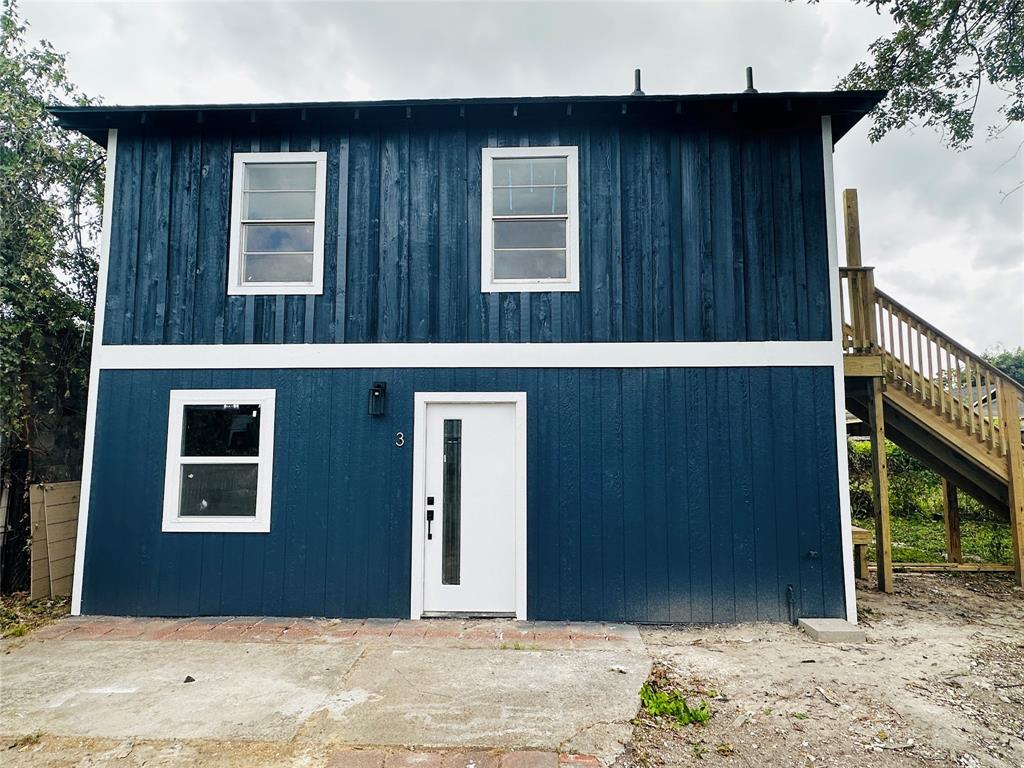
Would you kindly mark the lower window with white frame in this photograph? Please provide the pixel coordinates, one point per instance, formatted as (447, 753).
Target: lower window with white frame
(220, 461)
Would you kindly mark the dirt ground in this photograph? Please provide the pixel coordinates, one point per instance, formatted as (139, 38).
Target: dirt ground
(940, 682)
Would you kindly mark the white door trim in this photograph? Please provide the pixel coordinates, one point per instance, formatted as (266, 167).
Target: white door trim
(419, 455)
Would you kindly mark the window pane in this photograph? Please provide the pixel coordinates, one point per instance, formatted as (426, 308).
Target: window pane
(278, 205)
(218, 490)
(451, 523)
(531, 233)
(277, 238)
(527, 200)
(528, 170)
(278, 268)
(221, 430)
(280, 176)
(534, 265)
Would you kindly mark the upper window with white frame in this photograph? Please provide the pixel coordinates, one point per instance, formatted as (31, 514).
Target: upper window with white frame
(220, 446)
(530, 219)
(277, 223)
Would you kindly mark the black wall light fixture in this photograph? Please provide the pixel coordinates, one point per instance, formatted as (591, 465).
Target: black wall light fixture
(377, 392)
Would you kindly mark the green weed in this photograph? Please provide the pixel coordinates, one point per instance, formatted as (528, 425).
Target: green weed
(661, 697)
(16, 630)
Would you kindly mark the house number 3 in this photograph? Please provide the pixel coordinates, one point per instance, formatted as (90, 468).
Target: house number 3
(399, 439)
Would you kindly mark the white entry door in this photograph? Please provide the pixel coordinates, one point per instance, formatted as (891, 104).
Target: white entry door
(469, 507)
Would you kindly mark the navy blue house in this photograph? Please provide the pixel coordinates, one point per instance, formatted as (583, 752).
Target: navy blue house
(553, 358)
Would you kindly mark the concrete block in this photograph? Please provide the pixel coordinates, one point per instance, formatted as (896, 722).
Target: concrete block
(832, 631)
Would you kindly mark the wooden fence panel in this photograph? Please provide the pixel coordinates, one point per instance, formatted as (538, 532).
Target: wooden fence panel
(40, 568)
(54, 518)
(61, 504)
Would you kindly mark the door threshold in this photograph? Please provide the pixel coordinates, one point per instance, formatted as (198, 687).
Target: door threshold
(468, 615)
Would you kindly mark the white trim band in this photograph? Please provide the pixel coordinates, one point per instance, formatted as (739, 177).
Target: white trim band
(94, 374)
(725, 354)
(838, 377)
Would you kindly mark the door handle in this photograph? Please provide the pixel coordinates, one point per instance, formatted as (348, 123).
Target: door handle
(430, 520)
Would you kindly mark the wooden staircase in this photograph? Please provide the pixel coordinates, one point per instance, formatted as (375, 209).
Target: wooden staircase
(933, 397)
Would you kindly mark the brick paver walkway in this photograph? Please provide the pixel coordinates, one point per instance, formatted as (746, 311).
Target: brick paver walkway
(452, 633)
(375, 758)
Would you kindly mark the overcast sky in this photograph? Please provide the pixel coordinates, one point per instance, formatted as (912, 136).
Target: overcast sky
(933, 222)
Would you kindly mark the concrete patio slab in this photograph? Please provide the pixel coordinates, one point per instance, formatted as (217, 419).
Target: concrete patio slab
(316, 685)
(437, 697)
(137, 689)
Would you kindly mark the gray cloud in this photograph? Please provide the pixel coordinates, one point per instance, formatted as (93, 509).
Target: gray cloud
(933, 222)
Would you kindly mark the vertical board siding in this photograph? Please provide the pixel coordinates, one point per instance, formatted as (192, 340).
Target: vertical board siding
(689, 231)
(698, 495)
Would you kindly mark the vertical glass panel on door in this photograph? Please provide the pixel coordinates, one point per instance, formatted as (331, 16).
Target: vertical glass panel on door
(451, 507)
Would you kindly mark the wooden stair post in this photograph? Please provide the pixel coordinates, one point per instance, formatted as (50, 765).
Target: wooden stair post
(880, 488)
(865, 337)
(951, 519)
(1015, 464)
(851, 214)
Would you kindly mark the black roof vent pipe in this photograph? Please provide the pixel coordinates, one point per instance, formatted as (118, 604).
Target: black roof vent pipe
(636, 81)
(750, 81)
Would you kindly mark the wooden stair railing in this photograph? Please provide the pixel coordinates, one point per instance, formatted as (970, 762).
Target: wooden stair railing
(929, 366)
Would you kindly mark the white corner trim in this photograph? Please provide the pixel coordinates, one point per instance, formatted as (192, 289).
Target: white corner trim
(838, 376)
(235, 285)
(94, 375)
(571, 282)
(264, 461)
(682, 354)
(419, 475)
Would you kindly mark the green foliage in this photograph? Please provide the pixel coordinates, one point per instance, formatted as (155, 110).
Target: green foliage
(923, 540)
(915, 506)
(936, 61)
(1009, 361)
(16, 630)
(51, 188)
(672, 704)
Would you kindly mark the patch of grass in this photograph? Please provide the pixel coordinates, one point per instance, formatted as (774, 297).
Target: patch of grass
(698, 749)
(517, 646)
(663, 698)
(923, 540)
(800, 715)
(19, 615)
(16, 630)
(915, 503)
(725, 749)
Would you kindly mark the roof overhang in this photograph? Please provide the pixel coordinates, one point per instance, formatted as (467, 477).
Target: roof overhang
(845, 107)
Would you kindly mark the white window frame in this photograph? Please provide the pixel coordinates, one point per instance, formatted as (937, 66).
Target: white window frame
(236, 286)
(179, 398)
(571, 281)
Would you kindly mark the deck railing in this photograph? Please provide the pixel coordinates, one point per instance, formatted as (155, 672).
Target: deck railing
(928, 365)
